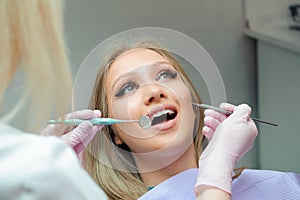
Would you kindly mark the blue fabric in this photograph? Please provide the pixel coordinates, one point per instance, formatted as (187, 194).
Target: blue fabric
(251, 184)
(180, 186)
(265, 184)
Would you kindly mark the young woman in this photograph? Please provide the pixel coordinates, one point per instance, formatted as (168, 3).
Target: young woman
(143, 79)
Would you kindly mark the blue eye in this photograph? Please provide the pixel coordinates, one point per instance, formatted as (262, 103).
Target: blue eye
(126, 88)
(166, 74)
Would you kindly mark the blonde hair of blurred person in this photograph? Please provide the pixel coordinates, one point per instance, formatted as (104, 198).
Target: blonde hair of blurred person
(32, 41)
(119, 184)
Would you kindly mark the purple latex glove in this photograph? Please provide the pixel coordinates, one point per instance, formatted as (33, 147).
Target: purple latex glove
(231, 139)
(76, 136)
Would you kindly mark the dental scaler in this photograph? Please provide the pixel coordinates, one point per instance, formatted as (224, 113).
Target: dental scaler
(205, 106)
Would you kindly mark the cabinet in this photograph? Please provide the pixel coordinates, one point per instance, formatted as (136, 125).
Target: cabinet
(278, 84)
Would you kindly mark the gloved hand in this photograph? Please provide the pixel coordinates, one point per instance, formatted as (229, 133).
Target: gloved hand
(231, 139)
(76, 136)
(214, 118)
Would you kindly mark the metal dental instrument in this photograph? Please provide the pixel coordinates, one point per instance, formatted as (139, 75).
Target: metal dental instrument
(144, 121)
(205, 106)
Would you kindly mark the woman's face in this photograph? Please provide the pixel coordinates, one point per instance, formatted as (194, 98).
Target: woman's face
(142, 82)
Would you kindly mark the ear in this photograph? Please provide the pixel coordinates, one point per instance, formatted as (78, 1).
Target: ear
(118, 140)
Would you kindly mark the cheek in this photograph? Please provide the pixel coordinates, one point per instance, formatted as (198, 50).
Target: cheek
(187, 112)
(127, 108)
(180, 91)
(187, 117)
(123, 108)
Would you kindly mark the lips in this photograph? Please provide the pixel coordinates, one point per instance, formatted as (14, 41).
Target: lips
(163, 115)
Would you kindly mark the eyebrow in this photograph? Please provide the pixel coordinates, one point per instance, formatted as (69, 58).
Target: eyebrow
(132, 73)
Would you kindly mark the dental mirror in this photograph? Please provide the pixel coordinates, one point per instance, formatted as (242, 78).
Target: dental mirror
(144, 121)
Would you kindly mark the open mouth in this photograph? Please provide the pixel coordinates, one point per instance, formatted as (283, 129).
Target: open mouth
(163, 116)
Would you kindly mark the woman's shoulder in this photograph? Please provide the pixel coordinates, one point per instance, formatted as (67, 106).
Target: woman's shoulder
(266, 184)
(257, 175)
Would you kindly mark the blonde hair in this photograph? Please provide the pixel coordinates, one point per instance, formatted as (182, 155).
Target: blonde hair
(32, 41)
(126, 183)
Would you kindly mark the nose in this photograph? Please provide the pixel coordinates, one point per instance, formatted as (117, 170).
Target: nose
(154, 93)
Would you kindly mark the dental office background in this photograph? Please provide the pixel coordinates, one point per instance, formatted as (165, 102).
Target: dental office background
(251, 42)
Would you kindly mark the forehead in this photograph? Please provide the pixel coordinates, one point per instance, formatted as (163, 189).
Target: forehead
(132, 59)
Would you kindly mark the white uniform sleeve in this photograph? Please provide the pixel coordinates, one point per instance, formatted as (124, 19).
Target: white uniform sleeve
(36, 167)
(61, 177)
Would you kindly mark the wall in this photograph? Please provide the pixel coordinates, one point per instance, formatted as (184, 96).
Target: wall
(278, 58)
(279, 97)
(217, 25)
(260, 12)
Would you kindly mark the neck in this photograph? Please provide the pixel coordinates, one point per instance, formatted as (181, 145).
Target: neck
(184, 162)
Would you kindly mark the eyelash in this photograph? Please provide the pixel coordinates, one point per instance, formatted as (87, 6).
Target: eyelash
(172, 74)
(121, 91)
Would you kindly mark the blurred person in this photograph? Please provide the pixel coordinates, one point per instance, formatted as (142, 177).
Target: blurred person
(33, 166)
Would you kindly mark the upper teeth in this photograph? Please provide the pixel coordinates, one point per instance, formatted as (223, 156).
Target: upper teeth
(163, 112)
